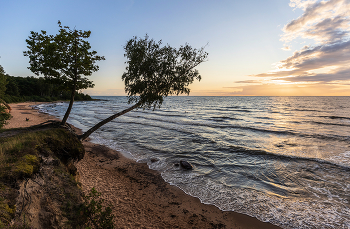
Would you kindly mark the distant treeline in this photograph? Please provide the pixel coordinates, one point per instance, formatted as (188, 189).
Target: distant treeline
(20, 89)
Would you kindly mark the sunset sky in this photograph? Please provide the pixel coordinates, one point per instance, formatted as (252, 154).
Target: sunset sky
(269, 47)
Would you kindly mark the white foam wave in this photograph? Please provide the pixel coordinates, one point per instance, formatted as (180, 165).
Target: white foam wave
(284, 212)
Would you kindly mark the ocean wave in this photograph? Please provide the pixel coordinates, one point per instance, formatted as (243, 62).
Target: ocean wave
(335, 117)
(330, 124)
(180, 123)
(306, 110)
(267, 208)
(223, 118)
(282, 157)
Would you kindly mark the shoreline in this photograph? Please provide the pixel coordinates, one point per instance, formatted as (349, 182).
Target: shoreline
(139, 196)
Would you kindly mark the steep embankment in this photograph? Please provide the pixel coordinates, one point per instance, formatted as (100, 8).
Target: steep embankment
(38, 185)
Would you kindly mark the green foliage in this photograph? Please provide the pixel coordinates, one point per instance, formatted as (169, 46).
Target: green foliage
(3, 81)
(21, 89)
(2, 71)
(63, 58)
(19, 167)
(156, 71)
(27, 166)
(93, 214)
(36, 98)
(6, 213)
(19, 155)
(31, 86)
(4, 116)
(12, 88)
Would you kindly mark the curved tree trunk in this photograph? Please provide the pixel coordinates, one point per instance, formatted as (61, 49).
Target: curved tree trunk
(98, 125)
(64, 120)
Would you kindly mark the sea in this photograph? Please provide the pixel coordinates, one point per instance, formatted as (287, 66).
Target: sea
(283, 160)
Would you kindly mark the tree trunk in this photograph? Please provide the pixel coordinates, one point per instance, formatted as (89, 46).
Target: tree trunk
(98, 125)
(64, 120)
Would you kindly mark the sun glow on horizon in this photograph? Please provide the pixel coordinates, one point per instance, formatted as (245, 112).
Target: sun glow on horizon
(262, 48)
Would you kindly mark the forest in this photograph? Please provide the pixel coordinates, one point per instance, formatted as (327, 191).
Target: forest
(20, 89)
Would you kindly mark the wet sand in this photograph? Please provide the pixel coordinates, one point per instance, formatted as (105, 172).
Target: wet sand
(140, 198)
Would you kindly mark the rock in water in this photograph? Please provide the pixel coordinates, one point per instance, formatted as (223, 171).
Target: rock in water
(186, 165)
(154, 160)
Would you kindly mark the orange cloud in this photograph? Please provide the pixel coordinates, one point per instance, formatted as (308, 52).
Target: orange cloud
(321, 69)
(292, 90)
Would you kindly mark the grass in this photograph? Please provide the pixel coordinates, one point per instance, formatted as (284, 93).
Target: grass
(20, 158)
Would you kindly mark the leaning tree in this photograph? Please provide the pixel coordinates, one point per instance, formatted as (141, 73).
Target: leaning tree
(64, 59)
(153, 72)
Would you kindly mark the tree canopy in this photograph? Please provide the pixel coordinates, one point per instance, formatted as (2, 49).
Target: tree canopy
(154, 71)
(64, 58)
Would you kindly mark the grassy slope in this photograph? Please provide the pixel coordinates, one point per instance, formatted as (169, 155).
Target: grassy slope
(46, 153)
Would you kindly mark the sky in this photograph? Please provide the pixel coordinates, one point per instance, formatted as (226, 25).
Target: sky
(258, 48)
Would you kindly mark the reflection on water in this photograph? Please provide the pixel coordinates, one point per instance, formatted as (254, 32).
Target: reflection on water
(284, 160)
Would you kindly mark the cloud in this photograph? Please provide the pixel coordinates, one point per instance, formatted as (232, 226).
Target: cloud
(325, 21)
(247, 82)
(301, 3)
(217, 92)
(286, 48)
(313, 58)
(329, 29)
(340, 75)
(327, 62)
(291, 90)
(319, 56)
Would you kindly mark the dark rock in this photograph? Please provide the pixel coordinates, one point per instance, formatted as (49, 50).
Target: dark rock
(185, 165)
(154, 160)
(176, 164)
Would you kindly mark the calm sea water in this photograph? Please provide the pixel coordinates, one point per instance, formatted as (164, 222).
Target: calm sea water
(284, 160)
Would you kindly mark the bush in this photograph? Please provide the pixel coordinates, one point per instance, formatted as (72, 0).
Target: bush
(93, 214)
(4, 116)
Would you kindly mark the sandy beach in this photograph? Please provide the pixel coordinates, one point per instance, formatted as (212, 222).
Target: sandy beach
(24, 115)
(139, 196)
